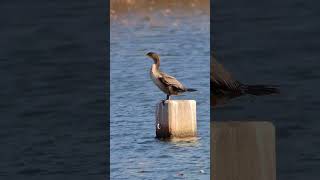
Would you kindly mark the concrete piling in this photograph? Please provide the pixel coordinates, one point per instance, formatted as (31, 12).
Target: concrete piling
(243, 151)
(176, 118)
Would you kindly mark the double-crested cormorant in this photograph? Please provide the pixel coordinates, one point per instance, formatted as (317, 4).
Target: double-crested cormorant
(223, 86)
(166, 83)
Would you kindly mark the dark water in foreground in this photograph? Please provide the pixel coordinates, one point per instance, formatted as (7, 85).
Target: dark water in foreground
(184, 47)
(53, 102)
(276, 42)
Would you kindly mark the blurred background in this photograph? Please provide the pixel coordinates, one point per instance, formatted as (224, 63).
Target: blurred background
(275, 42)
(144, 7)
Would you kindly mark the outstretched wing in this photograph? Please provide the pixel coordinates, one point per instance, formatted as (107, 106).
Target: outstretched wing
(171, 81)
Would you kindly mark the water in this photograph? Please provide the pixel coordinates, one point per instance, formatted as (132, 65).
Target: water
(277, 43)
(53, 98)
(183, 43)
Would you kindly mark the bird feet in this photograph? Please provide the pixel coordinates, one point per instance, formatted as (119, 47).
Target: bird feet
(168, 98)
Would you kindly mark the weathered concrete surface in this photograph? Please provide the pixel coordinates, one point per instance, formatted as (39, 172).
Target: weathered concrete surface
(176, 118)
(243, 151)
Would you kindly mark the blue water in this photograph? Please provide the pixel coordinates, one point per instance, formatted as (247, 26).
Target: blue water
(183, 43)
(275, 42)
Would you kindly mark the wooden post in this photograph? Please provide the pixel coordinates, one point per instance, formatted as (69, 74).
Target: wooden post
(243, 151)
(176, 118)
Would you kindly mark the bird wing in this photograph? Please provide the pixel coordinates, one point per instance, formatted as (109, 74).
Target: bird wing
(171, 81)
(221, 78)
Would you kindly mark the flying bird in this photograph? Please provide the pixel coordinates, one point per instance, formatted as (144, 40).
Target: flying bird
(166, 83)
(224, 86)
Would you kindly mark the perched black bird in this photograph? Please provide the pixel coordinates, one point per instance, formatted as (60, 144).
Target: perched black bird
(166, 83)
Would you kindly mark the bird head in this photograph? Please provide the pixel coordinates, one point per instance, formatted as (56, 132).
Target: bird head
(153, 56)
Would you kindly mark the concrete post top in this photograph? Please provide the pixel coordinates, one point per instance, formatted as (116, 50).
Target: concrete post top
(176, 118)
(179, 101)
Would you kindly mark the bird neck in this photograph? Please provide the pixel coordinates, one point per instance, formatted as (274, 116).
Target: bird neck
(156, 61)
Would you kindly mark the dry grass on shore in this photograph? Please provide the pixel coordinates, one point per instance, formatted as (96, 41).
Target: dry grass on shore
(124, 6)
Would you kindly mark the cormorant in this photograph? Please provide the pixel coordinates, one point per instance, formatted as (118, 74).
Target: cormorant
(224, 86)
(166, 83)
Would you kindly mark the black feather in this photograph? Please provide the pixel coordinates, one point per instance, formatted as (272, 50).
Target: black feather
(191, 90)
(259, 90)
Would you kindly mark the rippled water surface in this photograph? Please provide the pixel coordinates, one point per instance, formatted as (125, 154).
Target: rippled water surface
(53, 104)
(183, 43)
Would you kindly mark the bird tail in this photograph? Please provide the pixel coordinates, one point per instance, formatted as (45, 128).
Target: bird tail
(191, 90)
(260, 90)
